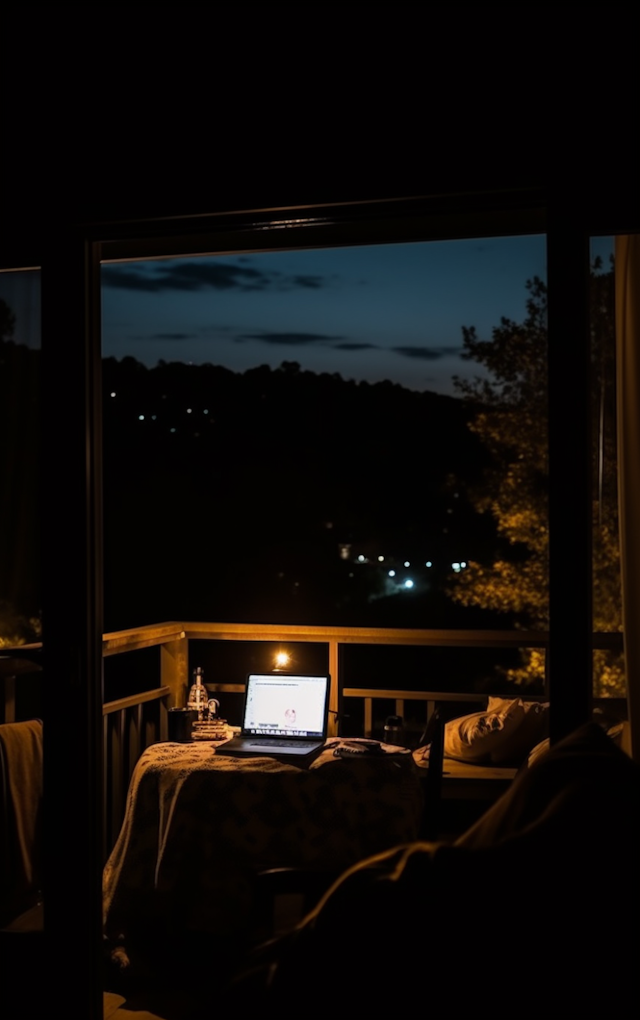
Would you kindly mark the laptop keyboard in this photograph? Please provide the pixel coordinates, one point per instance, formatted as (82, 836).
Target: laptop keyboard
(302, 744)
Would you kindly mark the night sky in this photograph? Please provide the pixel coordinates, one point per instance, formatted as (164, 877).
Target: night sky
(392, 311)
(377, 312)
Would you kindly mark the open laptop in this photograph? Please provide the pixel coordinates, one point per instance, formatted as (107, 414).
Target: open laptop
(284, 716)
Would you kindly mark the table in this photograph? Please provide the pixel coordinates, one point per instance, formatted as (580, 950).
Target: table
(199, 826)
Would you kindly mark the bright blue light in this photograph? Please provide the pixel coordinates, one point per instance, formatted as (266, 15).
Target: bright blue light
(408, 583)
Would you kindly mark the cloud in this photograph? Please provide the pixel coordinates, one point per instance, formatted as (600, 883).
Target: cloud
(426, 353)
(309, 282)
(205, 274)
(170, 336)
(288, 339)
(349, 345)
(126, 278)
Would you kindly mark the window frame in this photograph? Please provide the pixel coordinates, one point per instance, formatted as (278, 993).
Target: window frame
(71, 407)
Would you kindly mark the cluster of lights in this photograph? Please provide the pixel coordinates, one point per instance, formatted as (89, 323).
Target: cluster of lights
(408, 583)
(457, 566)
(142, 417)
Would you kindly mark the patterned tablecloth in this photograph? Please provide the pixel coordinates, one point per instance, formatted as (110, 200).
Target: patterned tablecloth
(199, 824)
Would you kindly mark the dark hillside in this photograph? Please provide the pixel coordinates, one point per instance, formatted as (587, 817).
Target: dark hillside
(229, 496)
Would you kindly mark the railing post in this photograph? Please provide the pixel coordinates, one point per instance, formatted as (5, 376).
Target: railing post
(174, 670)
(334, 693)
(368, 717)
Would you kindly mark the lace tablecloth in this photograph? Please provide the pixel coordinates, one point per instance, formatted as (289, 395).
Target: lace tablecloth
(199, 825)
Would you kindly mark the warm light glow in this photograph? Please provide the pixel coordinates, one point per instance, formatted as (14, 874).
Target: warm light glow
(282, 660)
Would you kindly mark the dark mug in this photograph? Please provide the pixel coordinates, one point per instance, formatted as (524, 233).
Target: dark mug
(181, 722)
(394, 730)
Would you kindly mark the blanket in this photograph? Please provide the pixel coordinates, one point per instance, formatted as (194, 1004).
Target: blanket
(21, 780)
(200, 825)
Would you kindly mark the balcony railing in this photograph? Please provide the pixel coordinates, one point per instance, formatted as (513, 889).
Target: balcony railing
(173, 640)
(132, 723)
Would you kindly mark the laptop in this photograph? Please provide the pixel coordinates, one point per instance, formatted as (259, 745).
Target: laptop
(284, 716)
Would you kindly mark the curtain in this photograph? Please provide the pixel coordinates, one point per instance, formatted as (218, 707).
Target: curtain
(627, 271)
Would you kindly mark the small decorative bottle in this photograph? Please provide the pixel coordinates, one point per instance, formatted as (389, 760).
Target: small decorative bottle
(198, 695)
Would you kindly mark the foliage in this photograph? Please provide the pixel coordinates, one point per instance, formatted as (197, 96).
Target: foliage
(512, 423)
(17, 629)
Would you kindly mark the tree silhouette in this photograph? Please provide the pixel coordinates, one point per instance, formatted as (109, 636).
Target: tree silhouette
(513, 426)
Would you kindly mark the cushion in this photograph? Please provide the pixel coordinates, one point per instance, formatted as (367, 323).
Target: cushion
(475, 737)
(501, 735)
(518, 743)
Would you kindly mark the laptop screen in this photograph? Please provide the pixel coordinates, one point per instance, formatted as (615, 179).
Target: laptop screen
(285, 705)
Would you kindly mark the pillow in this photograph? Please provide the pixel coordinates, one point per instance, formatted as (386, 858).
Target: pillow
(533, 728)
(476, 737)
(501, 735)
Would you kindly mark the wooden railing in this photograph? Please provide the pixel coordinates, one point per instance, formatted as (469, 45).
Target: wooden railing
(173, 639)
(132, 723)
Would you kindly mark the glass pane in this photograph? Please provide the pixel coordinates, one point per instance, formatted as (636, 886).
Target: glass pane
(351, 436)
(21, 693)
(19, 457)
(609, 677)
